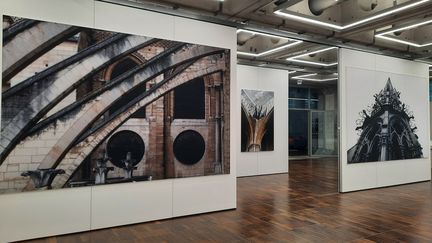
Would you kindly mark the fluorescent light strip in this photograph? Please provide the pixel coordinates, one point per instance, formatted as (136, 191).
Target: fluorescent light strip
(316, 79)
(402, 41)
(263, 34)
(308, 20)
(294, 58)
(304, 77)
(296, 42)
(313, 52)
(382, 35)
(314, 63)
(246, 54)
(341, 27)
(406, 27)
(386, 13)
(269, 51)
(279, 48)
(291, 72)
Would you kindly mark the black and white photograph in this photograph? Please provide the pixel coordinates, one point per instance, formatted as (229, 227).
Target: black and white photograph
(384, 117)
(257, 120)
(84, 107)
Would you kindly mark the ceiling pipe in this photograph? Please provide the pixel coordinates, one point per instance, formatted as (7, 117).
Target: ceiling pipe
(202, 16)
(317, 7)
(367, 5)
(243, 37)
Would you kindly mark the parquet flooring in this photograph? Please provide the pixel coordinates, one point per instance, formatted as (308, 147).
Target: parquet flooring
(302, 206)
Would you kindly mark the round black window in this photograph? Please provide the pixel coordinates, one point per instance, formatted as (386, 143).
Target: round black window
(189, 147)
(123, 142)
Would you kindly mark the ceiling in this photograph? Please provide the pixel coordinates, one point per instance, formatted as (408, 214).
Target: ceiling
(298, 34)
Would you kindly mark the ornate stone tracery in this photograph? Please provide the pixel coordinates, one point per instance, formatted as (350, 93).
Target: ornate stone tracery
(387, 131)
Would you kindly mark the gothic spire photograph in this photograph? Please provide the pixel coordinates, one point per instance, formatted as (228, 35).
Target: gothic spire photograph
(387, 130)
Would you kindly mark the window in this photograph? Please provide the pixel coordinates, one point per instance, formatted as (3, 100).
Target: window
(304, 98)
(119, 69)
(189, 100)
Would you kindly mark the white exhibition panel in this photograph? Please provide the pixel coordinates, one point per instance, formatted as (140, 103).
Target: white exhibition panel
(38, 214)
(182, 190)
(219, 192)
(195, 195)
(133, 21)
(387, 173)
(73, 12)
(265, 162)
(128, 203)
(276, 161)
(247, 78)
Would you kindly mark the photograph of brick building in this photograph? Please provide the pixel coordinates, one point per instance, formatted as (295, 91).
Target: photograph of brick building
(83, 107)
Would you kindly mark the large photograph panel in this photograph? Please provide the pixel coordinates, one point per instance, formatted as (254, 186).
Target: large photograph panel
(384, 116)
(257, 120)
(83, 107)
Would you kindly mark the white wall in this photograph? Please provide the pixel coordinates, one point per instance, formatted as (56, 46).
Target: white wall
(265, 162)
(379, 174)
(38, 214)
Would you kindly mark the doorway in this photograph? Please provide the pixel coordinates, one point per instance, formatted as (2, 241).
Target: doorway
(312, 121)
(298, 133)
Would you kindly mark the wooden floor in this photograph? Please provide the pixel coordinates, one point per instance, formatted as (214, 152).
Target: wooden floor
(303, 206)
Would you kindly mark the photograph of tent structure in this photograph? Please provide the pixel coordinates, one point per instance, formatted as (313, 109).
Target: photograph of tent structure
(257, 120)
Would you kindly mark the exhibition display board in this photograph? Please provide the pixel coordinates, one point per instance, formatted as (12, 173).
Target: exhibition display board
(263, 137)
(192, 182)
(384, 119)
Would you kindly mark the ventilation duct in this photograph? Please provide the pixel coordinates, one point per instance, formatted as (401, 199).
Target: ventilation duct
(317, 7)
(367, 5)
(243, 37)
(275, 40)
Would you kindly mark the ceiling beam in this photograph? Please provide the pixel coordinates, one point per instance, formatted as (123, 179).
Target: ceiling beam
(220, 19)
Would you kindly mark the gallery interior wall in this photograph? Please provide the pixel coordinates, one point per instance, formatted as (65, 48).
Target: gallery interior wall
(38, 214)
(367, 175)
(265, 162)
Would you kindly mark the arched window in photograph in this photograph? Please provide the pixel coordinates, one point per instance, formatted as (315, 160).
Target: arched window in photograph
(120, 68)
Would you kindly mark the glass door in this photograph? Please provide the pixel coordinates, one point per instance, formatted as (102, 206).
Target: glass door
(298, 132)
(323, 133)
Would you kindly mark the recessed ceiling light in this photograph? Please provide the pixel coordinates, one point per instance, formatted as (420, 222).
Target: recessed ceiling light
(342, 27)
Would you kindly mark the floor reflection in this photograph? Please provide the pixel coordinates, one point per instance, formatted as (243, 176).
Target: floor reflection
(302, 206)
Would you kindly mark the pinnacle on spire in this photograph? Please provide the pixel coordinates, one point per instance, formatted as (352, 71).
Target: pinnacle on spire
(389, 86)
